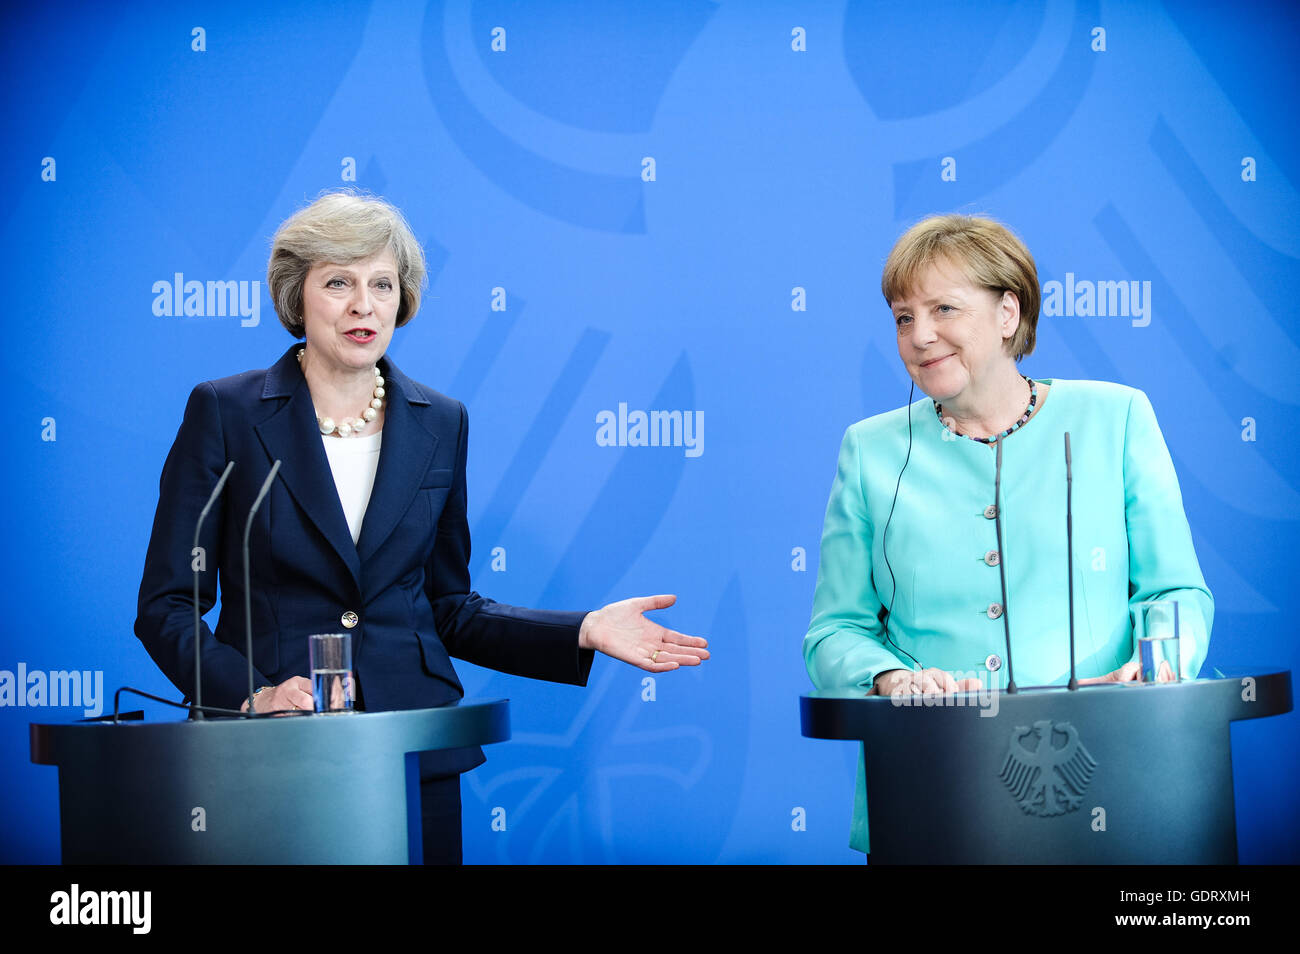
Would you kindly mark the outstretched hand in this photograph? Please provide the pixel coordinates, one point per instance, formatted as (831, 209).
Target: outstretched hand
(621, 631)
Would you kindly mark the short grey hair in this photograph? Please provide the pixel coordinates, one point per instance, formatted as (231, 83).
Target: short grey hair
(341, 228)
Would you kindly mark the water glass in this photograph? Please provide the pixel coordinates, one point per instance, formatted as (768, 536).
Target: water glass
(1156, 629)
(331, 672)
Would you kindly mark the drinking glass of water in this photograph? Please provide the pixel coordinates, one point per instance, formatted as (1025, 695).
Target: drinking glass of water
(1156, 628)
(331, 672)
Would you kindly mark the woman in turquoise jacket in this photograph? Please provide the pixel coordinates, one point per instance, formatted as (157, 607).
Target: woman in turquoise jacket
(909, 595)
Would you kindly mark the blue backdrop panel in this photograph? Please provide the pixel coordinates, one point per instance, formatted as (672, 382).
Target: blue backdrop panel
(679, 206)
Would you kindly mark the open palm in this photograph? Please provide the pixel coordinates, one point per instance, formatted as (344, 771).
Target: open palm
(620, 630)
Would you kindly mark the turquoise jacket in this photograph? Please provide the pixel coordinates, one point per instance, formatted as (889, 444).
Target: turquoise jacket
(940, 589)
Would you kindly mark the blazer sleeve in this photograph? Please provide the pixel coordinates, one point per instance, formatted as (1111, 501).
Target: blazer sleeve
(844, 647)
(165, 610)
(1162, 560)
(539, 644)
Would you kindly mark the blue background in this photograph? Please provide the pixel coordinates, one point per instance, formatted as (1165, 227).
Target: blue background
(522, 169)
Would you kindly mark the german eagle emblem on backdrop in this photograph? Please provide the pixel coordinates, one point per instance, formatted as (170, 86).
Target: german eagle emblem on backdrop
(1044, 777)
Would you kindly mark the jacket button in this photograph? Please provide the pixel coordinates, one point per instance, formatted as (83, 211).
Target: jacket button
(991, 558)
(993, 663)
(994, 611)
(350, 619)
(990, 512)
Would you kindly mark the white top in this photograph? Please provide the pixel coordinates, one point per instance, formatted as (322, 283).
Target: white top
(354, 461)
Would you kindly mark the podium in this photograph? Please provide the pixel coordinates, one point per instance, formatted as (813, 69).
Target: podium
(316, 789)
(1109, 774)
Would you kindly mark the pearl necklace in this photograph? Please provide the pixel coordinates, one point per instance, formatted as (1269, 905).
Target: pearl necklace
(352, 425)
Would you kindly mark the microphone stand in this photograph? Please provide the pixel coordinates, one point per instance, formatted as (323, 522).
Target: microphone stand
(1069, 553)
(197, 713)
(248, 601)
(1002, 571)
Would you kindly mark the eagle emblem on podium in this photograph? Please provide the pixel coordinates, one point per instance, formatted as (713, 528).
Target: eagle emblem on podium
(1047, 778)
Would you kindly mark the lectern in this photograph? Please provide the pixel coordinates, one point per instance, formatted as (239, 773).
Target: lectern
(1121, 773)
(316, 789)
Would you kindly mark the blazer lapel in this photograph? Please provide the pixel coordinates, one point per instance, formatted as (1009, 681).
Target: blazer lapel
(291, 435)
(405, 453)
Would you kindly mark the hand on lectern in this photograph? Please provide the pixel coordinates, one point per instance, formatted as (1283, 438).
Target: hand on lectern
(910, 682)
(621, 631)
(293, 693)
(1130, 672)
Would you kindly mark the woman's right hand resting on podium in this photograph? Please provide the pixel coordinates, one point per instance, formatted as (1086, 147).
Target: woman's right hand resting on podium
(293, 693)
(909, 682)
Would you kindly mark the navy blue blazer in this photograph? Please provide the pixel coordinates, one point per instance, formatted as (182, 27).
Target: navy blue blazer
(406, 578)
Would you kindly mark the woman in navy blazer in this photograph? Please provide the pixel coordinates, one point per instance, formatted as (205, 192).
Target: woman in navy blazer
(375, 542)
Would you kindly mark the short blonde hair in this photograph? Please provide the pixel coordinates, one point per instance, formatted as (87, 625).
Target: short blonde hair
(986, 251)
(342, 227)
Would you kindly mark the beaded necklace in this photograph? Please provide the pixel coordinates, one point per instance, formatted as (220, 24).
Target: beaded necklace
(1033, 400)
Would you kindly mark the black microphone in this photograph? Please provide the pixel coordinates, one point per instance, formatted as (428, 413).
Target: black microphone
(1002, 565)
(248, 601)
(1069, 552)
(197, 712)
